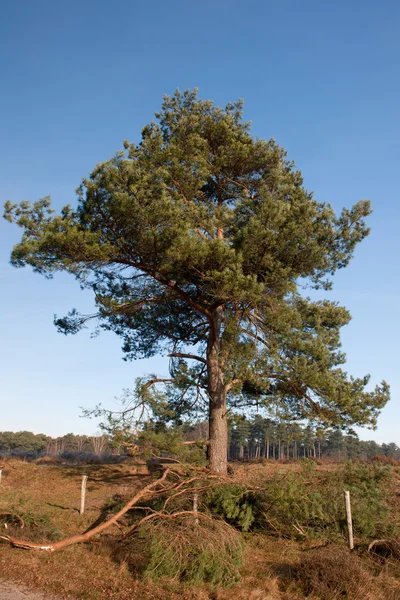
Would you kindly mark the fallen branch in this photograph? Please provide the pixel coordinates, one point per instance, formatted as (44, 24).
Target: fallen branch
(189, 467)
(149, 490)
(298, 528)
(189, 491)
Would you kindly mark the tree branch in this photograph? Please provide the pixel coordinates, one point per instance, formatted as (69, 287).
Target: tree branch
(190, 356)
(230, 385)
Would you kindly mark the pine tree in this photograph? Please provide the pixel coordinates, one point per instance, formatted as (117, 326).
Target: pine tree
(194, 242)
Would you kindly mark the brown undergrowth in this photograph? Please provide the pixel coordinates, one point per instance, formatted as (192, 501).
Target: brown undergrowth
(46, 497)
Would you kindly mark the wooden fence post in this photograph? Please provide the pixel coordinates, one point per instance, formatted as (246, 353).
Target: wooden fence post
(195, 507)
(83, 494)
(349, 519)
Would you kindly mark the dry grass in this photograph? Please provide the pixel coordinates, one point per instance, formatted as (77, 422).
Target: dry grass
(52, 492)
(275, 569)
(334, 573)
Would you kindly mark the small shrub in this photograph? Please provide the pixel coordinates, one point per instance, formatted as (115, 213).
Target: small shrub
(35, 527)
(179, 549)
(333, 573)
(22, 517)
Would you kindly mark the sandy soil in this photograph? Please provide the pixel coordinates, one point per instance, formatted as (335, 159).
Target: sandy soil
(9, 591)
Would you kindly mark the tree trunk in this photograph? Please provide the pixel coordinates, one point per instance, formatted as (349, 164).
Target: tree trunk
(218, 418)
(218, 443)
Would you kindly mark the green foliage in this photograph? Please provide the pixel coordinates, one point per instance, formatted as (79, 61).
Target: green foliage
(366, 483)
(42, 525)
(31, 444)
(311, 503)
(22, 441)
(234, 503)
(210, 552)
(254, 437)
(171, 443)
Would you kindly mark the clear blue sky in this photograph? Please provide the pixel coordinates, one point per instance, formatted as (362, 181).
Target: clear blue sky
(77, 78)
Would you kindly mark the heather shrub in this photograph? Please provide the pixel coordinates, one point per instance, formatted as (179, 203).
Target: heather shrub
(334, 573)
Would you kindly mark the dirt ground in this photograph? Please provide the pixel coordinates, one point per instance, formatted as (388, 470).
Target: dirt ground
(9, 591)
(86, 572)
(51, 492)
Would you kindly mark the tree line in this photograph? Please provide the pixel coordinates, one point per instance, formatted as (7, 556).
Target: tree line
(252, 438)
(26, 442)
(260, 437)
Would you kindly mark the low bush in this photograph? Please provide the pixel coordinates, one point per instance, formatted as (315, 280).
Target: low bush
(32, 526)
(181, 549)
(333, 573)
(311, 503)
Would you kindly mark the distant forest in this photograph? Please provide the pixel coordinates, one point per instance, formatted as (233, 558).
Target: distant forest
(250, 439)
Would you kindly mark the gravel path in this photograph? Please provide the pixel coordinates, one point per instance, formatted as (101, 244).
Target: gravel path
(9, 591)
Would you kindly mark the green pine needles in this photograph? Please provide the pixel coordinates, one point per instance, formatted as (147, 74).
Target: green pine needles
(236, 504)
(209, 552)
(309, 504)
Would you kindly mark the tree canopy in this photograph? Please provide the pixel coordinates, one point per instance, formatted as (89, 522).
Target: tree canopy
(195, 242)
